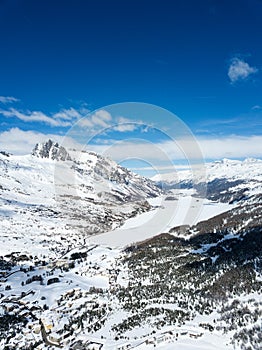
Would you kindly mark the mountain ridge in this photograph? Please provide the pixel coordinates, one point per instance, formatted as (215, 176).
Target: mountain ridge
(89, 195)
(226, 168)
(52, 150)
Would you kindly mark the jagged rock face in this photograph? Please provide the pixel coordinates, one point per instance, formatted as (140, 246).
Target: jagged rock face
(51, 150)
(100, 168)
(117, 174)
(5, 153)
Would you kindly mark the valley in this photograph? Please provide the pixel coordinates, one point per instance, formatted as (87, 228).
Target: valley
(96, 257)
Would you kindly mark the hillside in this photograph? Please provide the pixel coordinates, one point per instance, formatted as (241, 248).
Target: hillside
(191, 286)
(61, 196)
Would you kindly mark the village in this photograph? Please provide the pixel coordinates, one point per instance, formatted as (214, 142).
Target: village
(65, 302)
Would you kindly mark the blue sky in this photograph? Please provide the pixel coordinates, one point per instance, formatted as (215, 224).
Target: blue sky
(201, 60)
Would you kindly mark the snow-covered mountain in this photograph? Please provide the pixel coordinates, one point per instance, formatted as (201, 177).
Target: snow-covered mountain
(248, 169)
(51, 150)
(225, 180)
(188, 287)
(54, 191)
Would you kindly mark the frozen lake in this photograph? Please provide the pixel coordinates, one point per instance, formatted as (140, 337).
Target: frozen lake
(182, 209)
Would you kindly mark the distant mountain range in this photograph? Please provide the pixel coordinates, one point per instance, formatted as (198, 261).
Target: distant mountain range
(248, 169)
(226, 180)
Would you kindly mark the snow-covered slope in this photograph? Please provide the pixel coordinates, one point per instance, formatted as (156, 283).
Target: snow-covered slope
(56, 192)
(203, 292)
(195, 287)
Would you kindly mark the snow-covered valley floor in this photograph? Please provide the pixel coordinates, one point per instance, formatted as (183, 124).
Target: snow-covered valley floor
(181, 209)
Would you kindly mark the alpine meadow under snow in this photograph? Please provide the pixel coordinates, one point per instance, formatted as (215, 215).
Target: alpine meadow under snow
(97, 257)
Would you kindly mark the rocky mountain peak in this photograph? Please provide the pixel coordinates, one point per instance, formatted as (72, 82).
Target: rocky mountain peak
(51, 150)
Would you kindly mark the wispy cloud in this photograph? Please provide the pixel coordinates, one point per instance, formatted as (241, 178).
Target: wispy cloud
(216, 126)
(125, 124)
(99, 119)
(70, 114)
(256, 108)
(233, 125)
(8, 99)
(124, 127)
(63, 118)
(216, 121)
(240, 70)
(103, 119)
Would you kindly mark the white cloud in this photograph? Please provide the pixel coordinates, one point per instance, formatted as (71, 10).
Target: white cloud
(240, 70)
(64, 118)
(124, 127)
(21, 142)
(125, 124)
(216, 148)
(100, 119)
(70, 114)
(81, 118)
(232, 147)
(8, 99)
(18, 141)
